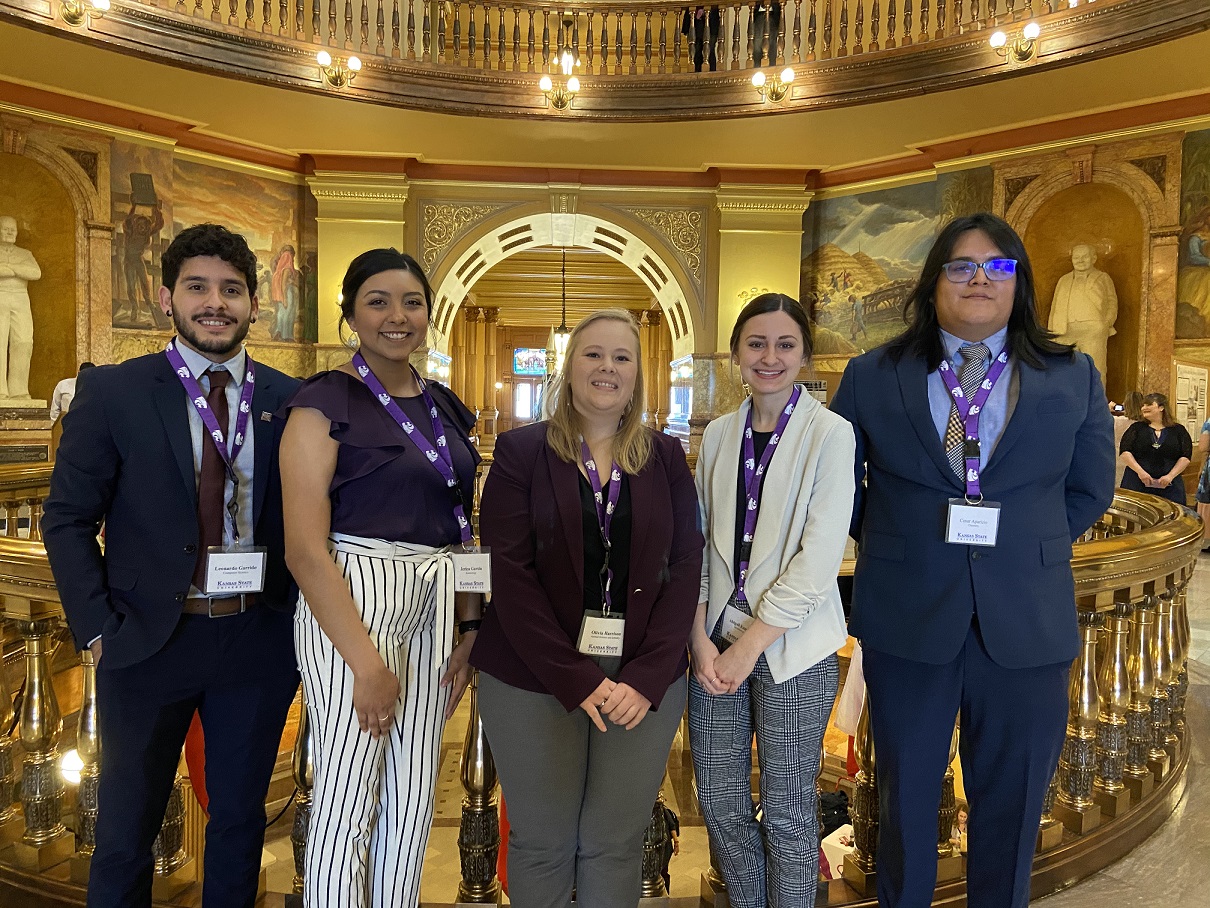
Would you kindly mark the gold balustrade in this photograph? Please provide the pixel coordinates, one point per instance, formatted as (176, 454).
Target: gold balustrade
(1123, 761)
(634, 62)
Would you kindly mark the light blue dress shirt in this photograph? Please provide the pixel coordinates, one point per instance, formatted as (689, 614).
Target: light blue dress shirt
(1000, 403)
(245, 461)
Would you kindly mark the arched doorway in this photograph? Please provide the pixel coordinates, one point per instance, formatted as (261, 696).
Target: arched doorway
(586, 231)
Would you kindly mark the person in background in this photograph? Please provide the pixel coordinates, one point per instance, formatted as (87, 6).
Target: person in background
(769, 619)
(1129, 411)
(65, 391)
(591, 519)
(1202, 495)
(987, 451)
(377, 479)
(1156, 451)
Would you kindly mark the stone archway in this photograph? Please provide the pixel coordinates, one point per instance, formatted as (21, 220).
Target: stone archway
(588, 231)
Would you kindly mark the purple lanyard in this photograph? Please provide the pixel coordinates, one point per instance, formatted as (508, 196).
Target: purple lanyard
(969, 413)
(440, 457)
(754, 477)
(606, 503)
(218, 433)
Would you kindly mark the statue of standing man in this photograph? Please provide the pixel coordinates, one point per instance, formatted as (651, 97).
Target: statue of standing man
(17, 269)
(1085, 306)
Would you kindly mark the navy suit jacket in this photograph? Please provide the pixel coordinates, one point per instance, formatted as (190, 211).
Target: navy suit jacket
(531, 517)
(126, 459)
(1052, 472)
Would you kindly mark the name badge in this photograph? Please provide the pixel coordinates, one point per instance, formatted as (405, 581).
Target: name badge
(967, 523)
(601, 636)
(234, 570)
(734, 623)
(473, 570)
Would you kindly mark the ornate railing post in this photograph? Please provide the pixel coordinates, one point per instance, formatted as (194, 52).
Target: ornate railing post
(1181, 664)
(479, 831)
(1157, 753)
(859, 866)
(949, 861)
(174, 868)
(88, 746)
(11, 823)
(303, 768)
(1077, 764)
(1113, 689)
(1167, 638)
(1138, 775)
(654, 838)
(1050, 830)
(46, 841)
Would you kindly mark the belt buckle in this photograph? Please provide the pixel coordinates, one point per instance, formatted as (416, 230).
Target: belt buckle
(210, 600)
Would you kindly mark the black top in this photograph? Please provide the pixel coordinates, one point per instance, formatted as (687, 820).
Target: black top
(1174, 443)
(594, 549)
(760, 441)
(384, 487)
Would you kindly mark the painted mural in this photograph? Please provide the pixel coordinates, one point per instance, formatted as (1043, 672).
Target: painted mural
(863, 253)
(140, 188)
(1193, 271)
(154, 196)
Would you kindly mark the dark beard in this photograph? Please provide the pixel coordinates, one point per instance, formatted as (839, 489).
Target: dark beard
(221, 348)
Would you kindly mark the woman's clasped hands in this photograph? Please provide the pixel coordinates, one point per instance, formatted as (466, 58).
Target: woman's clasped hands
(617, 701)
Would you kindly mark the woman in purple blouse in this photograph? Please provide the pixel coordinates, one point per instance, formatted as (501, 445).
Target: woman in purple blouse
(377, 475)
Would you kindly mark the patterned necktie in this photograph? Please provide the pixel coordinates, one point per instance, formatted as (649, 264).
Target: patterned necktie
(970, 376)
(212, 481)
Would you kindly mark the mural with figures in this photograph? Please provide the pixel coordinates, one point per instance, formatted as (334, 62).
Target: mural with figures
(862, 255)
(154, 196)
(1193, 270)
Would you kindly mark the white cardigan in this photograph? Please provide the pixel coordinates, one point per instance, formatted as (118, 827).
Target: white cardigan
(806, 506)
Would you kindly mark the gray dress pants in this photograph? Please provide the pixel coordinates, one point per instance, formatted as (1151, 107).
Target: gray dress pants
(578, 800)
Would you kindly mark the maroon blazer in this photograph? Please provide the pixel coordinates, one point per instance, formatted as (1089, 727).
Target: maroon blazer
(530, 517)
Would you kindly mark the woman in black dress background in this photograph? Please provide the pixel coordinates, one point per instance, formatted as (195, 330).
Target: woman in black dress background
(1156, 450)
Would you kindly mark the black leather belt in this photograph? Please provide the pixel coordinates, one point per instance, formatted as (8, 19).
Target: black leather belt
(220, 607)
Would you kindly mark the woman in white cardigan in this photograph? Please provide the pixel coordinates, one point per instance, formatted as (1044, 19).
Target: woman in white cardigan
(775, 485)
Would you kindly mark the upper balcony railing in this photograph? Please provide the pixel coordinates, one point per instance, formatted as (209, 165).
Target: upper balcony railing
(634, 59)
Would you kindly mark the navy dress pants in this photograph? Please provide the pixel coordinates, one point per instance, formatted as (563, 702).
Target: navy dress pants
(1012, 727)
(239, 674)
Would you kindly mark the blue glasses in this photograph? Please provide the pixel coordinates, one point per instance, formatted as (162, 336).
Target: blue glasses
(962, 271)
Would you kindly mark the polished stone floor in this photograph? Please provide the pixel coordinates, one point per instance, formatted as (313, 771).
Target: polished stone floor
(1169, 870)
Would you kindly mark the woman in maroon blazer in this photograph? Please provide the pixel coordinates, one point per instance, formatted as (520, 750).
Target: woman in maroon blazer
(582, 655)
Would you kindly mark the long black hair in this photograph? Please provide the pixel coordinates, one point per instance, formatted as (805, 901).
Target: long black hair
(1027, 340)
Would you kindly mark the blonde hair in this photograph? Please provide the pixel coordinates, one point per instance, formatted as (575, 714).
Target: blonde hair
(632, 443)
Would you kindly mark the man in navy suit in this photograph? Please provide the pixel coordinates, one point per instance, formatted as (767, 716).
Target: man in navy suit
(980, 471)
(173, 454)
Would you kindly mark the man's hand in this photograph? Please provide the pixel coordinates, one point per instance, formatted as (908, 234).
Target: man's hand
(96, 651)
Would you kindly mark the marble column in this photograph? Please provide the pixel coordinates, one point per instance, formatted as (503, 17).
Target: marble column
(474, 359)
(458, 354)
(491, 315)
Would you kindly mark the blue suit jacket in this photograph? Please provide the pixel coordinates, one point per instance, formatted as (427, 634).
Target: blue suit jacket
(1053, 474)
(126, 459)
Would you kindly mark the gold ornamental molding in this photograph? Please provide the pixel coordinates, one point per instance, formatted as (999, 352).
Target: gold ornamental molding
(443, 223)
(681, 227)
(486, 58)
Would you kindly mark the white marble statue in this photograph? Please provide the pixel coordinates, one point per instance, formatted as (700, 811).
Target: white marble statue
(17, 269)
(1085, 306)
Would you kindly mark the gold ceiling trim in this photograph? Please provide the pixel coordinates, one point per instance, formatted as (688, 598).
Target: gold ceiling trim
(248, 167)
(466, 76)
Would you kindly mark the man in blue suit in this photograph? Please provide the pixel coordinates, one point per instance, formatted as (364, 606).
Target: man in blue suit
(173, 455)
(980, 471)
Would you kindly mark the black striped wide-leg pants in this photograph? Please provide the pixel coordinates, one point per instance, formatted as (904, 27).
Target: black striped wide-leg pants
(373, 797)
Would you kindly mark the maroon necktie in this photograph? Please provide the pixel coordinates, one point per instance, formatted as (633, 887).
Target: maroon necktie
(212, 482)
